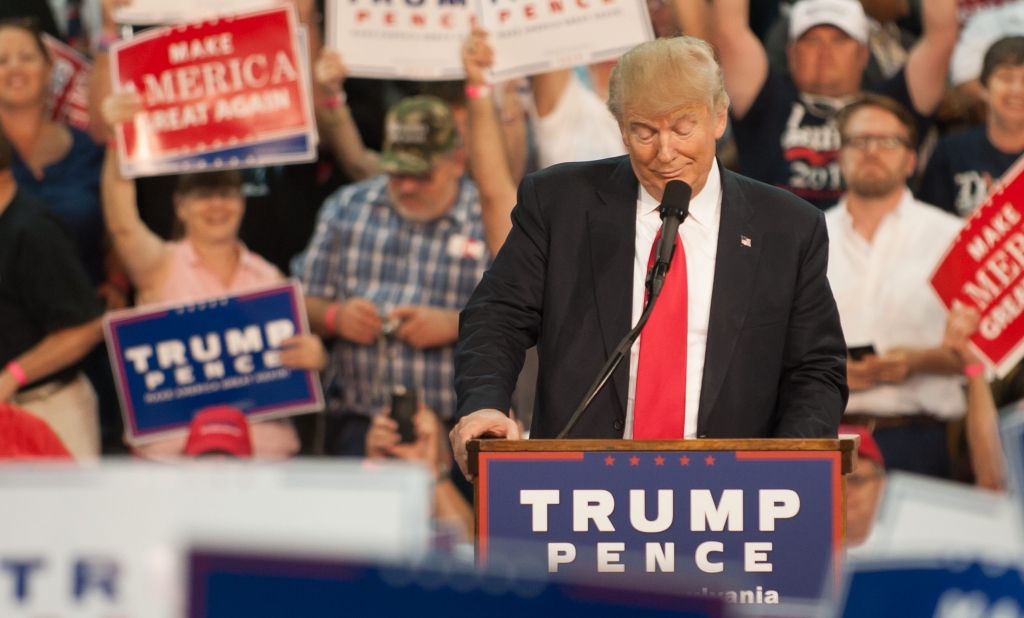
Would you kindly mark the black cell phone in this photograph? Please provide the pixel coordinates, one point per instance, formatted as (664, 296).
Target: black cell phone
(403, 408)
(859, 352)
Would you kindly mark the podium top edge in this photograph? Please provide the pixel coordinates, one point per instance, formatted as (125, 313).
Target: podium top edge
(843, 444)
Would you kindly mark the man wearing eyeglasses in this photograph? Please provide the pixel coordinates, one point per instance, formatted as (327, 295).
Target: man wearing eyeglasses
(904, 386)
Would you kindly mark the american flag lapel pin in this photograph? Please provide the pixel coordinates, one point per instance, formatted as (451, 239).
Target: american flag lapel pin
(745, 241)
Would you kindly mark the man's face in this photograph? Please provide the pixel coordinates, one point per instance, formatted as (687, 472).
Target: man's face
(427, 197)
(863, 489)
(678, 145)
(211, 214)
(875, 159)
(827, 61)
(1005, 94)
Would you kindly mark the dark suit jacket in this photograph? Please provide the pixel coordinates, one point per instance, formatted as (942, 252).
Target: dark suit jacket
(776, 356)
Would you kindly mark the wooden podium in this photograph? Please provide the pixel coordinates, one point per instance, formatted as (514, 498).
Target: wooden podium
(763, 520)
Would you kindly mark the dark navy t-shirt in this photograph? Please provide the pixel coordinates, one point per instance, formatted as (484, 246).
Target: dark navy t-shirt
(954, 179)
(71, 188)
(784, 142)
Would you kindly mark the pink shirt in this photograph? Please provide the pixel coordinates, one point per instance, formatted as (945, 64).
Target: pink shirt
(189, 279)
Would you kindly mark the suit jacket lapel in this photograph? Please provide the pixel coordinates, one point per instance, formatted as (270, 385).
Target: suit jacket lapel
(612, 231)
(735, 271)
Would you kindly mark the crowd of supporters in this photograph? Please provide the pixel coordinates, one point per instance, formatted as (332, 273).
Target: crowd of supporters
(895, 117)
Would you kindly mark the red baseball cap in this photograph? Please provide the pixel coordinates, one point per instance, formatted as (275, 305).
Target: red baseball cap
(219, 429)
(868, 448)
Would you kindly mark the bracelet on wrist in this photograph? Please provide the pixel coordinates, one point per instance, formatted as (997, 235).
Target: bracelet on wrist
(479, 92)
(104, 41)
(331, 319)
(974, 370)
(336, 101)
(17, 373)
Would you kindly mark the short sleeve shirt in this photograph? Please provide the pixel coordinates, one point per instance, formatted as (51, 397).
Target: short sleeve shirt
(955, 179)
(363, 247)
(43, 286)
(784, 141)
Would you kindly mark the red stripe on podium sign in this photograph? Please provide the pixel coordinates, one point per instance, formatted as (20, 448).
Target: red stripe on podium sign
(984, 269)
(482, 495)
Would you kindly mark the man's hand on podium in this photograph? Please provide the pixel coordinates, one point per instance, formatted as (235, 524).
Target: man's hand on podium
(488, 423)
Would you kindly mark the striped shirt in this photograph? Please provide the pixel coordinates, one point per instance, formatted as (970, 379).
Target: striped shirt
(363, 248)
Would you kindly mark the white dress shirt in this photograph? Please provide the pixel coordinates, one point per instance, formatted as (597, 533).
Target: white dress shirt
(884, 298)
(699, 233)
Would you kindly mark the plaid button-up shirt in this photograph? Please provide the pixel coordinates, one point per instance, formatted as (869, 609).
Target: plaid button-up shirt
(363, 248)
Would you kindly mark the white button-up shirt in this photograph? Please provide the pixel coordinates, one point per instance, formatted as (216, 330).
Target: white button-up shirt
(885, 300)
(699, 233)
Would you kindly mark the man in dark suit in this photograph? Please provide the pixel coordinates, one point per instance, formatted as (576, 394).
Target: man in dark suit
(745, 340)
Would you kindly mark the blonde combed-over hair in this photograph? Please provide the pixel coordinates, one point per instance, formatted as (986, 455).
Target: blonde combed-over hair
(659, 76)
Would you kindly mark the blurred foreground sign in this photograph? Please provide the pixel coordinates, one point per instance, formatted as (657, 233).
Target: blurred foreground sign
(984, 269)
(111, 540)
(538, 36)
(227, 93)
(225, 585)
(933, 590)
(171, 361)
(411, 39)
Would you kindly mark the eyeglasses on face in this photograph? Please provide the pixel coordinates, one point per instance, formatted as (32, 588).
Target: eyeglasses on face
(884, 142)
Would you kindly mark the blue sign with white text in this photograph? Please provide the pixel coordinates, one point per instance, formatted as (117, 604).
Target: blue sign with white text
(173, 361)
(751, 527)
(930, 590)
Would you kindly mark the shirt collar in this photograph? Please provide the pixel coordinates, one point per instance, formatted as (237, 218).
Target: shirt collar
(847, 219)
(703, 206)
(246, 259)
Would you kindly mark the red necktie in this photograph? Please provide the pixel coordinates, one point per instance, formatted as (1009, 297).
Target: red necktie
(659, 406)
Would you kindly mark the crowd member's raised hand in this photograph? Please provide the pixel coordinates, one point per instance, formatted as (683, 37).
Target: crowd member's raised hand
(982, 420)
(384, 442)
(335, 119)
(120, 107)
(487, 153)
(426, 327)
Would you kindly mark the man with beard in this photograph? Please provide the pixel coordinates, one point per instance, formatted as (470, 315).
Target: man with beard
(883, 247)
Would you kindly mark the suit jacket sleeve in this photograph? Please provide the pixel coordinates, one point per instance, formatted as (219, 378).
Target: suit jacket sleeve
(503, 316)
(812, 389)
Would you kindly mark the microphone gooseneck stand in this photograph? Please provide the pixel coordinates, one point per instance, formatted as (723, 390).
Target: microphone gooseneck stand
(672, 216)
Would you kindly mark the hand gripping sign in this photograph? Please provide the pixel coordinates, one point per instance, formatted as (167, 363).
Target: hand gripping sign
(173, 360)
(984, 269)
(232, 92)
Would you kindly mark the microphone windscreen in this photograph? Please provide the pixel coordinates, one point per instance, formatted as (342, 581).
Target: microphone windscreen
(677, 195)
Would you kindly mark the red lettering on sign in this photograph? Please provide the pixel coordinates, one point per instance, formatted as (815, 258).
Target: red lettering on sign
(556, 6)
(362, 15)
(529, 12)
(504, 14)
(418, 20)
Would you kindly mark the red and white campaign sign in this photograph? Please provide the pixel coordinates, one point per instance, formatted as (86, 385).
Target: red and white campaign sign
(984, 269)
(69, 84)
(213, 86)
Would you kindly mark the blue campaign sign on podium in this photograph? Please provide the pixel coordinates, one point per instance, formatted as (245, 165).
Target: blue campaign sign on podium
(172, 360)
(754, 526)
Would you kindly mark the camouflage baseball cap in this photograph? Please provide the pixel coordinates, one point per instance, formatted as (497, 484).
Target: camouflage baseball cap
(415, 130)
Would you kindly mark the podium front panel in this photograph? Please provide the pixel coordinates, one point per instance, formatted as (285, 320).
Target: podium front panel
(755, 526)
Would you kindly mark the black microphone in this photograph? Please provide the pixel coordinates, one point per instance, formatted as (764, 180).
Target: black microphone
(675, 205)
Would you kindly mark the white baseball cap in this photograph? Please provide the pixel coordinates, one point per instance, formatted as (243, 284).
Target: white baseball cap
(847, 15)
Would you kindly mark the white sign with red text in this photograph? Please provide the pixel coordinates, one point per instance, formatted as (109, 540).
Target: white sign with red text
(537, 36)
(152, 12)
(400, 39)
(69, 84)
(227, 93)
